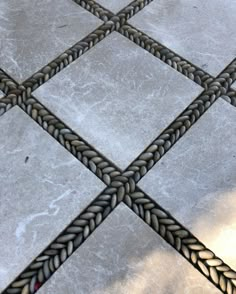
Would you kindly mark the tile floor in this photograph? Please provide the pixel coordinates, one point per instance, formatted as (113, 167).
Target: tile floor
(99, 191)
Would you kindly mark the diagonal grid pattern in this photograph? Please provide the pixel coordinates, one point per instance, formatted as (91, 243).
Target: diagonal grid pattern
(121, 185)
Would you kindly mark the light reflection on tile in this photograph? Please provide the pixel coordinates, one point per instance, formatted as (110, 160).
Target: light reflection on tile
(196, 181)
(124, 256)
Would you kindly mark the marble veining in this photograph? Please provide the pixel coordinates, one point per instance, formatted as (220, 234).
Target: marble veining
(43, 188)
(118, 97)
(114, 5)
(200, 31)
(124, 256)
(196, 181)
(32, 33)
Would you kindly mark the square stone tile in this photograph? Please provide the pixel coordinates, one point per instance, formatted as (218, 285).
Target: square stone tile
(43, 188)
(201, 31)
(196, 180)
(124, 256)
(114, 5)
(118, 97)
(35, 32)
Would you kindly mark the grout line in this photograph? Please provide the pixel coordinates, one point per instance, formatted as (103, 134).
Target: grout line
(182, 240)
(96, 9)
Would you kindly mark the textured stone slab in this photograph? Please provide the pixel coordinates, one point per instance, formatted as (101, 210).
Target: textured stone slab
(195, 181)
(114, 5)
(201, 31)
(43, 187)
(124, 256)
(118, 97)
(32, 33)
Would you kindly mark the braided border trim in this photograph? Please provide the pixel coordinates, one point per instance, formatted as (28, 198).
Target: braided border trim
(66, 58)
(153, 153)
(7, 85)
(230, 97)
(131, 9)
(41, 269)
(203, 259)
(96, 9)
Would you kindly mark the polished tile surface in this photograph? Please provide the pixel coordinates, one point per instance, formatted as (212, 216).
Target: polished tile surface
(196, 181)
(200, 31)
(114, 5)
(118, 97)
(42, 189)
(32, 33)
(78, 136)
(118, 261)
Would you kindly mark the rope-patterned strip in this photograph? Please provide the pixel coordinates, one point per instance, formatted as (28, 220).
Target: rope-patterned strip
(211, 266)
(96, 9)
(7, 85)
(131, 9)
(41, 269)
(77, 146)
(220, 86)
(11, 89)
(7, 103)
(230, 97)
(70, 55)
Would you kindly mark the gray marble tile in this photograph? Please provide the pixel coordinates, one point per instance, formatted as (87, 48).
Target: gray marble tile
(32, 33)
(196, 180)
(43, 187)
(124, 256)
(201, 31)
(114, 5)
(118, 97)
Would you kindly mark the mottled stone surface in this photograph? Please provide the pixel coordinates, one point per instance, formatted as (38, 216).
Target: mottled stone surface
(43, 188)
(196, 180)
(32, 33)
(114, 5)
(124, 256)
(1, 94)
(118, 97)
(201, 31)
